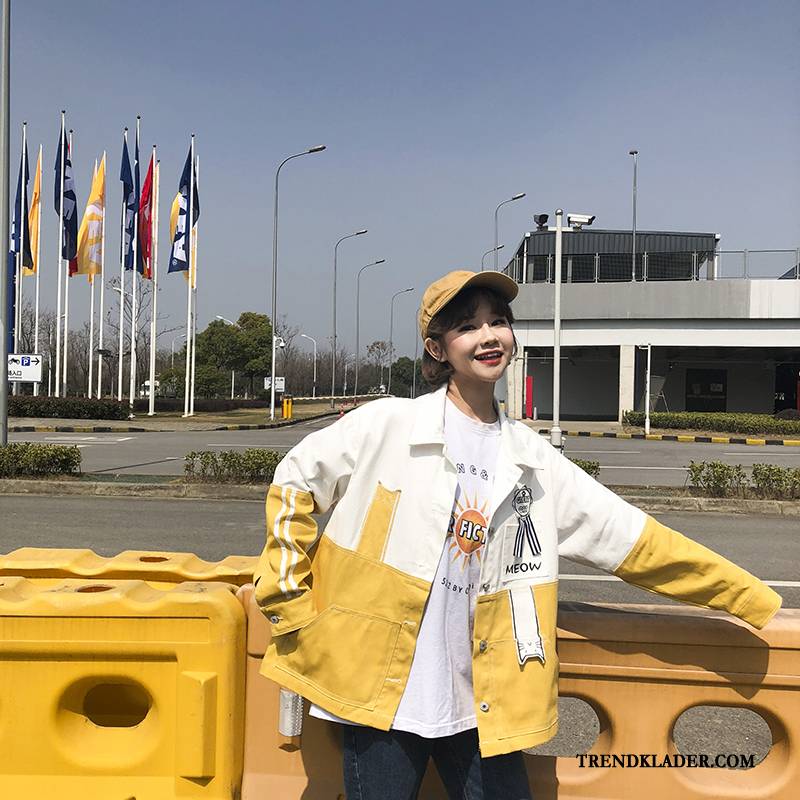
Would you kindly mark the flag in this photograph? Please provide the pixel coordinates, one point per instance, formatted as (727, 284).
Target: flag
(145, 223)
(138, 195)
(69, 246)
(129, 201)
(33, 217)
(19, 221)
(179, 261)
(90, 236)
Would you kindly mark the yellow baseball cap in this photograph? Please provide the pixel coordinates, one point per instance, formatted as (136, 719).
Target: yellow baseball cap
(441, 292)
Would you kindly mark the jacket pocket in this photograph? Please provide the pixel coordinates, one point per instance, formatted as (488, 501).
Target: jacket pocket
(378, 522)
(345, 654)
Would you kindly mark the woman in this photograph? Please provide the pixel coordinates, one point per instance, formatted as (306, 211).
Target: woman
(424, 620)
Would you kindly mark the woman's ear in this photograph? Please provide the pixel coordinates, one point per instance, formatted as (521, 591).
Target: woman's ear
(434, 349)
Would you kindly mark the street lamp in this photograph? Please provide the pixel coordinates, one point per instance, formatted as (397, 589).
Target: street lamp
(317, 149)
(416, 353)
(314, 392)
(225, 319)
(576, 223)
(358, 316)
(333, 337)
(391, 323)
(510, 200)
(172, 350)
(649, 348)
(492, 250)
(635, 154)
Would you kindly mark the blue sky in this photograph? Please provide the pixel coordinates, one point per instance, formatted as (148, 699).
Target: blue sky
(432, 112)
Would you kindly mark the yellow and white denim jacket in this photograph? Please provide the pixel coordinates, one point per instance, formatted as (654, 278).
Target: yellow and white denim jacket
(345, 606)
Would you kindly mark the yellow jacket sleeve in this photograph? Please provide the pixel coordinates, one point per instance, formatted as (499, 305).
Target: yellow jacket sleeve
(309, 480)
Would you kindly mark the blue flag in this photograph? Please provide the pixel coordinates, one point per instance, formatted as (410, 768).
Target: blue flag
(69, 247)
(19, 220)
(179, 257)
(137, 188)
(129, 201)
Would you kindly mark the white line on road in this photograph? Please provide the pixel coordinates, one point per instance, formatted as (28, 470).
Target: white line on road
(256, 446)
(760, 454)
(612, 578)
(570, 450)
(614, 466)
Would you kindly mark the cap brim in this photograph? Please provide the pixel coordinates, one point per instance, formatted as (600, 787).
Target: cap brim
(497, 281)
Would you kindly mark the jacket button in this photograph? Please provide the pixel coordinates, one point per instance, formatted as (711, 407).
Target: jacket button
(482, 646)
(274, 619)
(484, 706)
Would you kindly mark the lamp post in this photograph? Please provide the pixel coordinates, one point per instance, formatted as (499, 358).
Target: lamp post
(575, 223)
(649, 349)
(416, 353)
(172, 350)
(635, 154)
(358, 318)
(492, 250)
(499, 205)
(333, 336)
(224, 319)
(347, 360)
(317, 149)
(391, 324)
(314, 341)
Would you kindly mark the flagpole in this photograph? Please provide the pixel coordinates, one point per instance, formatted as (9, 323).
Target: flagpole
(67, 276)
(21, 221)
(122, 283)
(37, 264)
(91, 308)
(193, 281)
(189, 221)
(154, 278)
(57, 381)
(102, 289)
(134, 304)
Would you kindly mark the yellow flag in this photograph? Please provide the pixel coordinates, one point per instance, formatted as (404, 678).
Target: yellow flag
(173, 223)
(33, 217)
(90, 235)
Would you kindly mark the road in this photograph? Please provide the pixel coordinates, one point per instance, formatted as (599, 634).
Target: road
(623, 462)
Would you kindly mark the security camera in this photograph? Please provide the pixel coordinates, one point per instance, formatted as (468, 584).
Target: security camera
(541, 221)
(279, 341)
(579, 220)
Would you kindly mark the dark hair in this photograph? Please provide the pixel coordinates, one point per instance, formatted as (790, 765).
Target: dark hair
(462, 307)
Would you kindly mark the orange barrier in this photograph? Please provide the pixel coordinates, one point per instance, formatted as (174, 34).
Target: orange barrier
(154, 567)
(638, 666)
(114, 689)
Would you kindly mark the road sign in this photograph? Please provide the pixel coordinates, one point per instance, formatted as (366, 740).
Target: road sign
(280, 384)
(25, 367)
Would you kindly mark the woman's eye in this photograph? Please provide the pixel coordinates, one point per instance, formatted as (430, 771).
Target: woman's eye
(465, 328)
(501, 321)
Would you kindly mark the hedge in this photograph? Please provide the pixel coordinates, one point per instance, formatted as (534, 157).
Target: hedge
(767, 481)
(590, 467)
(67, 407)
(715, 421)
(254, 465)
(200, 404)
(29, 460)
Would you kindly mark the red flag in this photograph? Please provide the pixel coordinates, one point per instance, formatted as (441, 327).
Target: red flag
(145, 218)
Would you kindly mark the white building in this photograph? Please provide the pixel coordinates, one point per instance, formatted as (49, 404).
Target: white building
(724, 326)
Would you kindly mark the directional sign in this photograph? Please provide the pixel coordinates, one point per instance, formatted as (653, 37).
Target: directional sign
(280, 384)
(25, 367)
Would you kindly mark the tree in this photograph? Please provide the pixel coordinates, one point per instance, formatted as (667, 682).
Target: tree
(256, 330)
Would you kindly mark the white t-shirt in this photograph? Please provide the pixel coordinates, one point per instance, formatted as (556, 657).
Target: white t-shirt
(438, 698)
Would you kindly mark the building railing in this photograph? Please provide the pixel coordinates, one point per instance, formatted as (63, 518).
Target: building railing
(658, 266)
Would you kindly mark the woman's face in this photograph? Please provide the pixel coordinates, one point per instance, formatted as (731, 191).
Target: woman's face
(479, 349)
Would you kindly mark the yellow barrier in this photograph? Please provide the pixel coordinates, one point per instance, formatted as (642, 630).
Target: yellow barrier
(115, 689)
(157, 568)
(638, 666)
(288, 407)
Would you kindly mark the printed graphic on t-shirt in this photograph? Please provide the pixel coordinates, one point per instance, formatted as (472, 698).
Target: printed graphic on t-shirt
(467, 532)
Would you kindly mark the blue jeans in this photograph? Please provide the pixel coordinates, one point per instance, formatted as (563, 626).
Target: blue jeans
(390, 765)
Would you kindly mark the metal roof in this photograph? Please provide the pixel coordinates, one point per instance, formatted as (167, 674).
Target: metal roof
(610, 241)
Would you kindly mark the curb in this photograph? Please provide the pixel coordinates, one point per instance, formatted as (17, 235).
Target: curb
(226, 491)
(132, 429)
(677, 437)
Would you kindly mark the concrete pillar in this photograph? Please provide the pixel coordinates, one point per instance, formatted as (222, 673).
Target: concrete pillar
(627, 374)
(515, 384)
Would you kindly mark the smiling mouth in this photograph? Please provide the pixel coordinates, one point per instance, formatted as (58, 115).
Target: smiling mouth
(495, 355)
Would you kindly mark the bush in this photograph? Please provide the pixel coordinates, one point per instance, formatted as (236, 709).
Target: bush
(716, 421)
(200, 404)
(768, 481)
(254, 465)
(29, 460)
(66, 407)
(590, 467)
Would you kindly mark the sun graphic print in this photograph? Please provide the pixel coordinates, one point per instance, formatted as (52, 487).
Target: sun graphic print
(469, 531)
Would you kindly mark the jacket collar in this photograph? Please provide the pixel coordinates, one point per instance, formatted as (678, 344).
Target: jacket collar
(520, 445)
